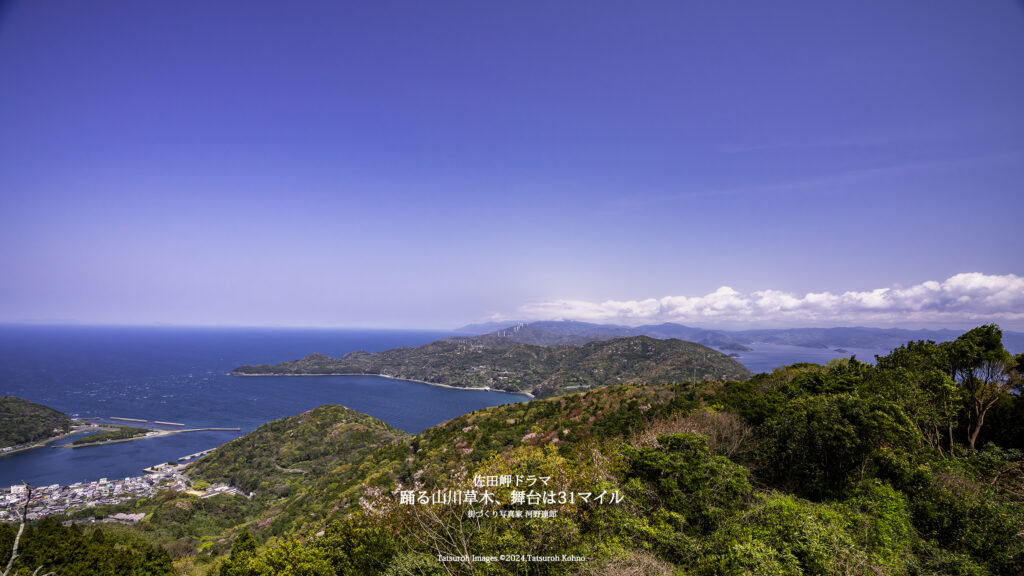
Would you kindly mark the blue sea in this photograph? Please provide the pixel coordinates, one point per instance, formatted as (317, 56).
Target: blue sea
(182, 375)
(766, 357)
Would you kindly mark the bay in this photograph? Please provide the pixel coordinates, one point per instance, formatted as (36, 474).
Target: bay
(764, 357)
(179, 374)
(182, 375)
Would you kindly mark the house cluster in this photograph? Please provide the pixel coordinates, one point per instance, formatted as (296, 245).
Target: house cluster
(57, 499)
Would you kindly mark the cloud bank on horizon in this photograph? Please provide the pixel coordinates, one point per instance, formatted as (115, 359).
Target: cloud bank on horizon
(962, 300)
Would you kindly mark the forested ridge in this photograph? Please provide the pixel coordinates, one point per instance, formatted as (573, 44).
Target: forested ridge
(908, 466)
(22, 422)
(501, 363)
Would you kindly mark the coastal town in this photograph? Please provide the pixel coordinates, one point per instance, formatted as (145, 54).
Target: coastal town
(56, 499)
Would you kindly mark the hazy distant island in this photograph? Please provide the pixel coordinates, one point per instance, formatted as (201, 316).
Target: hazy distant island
(498, 362)
(549, 333)
(571, 332)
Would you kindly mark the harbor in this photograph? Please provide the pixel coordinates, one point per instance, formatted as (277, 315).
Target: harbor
(147, 390)
(57, 499)
(155, 423)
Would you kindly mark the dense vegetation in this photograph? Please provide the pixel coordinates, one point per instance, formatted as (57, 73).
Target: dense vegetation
(911, 466)
(71, 550)
(500, 363)
(22, 422)
(275, 457)
(837, 469)
(118, 433)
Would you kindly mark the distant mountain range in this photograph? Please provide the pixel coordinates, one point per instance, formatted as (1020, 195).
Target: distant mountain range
(548, 333)
(553, 357)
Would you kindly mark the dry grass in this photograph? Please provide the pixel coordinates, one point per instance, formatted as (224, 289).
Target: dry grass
(637, 563)
(727, 434)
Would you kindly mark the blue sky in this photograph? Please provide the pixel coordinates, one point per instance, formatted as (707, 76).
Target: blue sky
(430, 164)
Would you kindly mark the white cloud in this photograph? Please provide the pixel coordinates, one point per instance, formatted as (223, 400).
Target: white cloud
(961, 300)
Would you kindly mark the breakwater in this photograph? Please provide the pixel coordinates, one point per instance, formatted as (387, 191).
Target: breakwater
(196, 455)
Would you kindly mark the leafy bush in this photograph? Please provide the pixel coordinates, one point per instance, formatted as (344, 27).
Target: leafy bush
(816, 445)
(784, 535)
(72, 551)
(689, 481)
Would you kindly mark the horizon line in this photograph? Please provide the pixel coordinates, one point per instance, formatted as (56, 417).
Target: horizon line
(457, 330)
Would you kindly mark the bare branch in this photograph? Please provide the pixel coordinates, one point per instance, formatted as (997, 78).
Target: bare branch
(21, 529)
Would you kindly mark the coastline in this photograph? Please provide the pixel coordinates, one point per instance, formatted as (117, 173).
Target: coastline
(438, 384)
(159, 434)
(43, 443)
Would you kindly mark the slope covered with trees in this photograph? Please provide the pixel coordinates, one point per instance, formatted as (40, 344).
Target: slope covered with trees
(275, 457)
(47, 547)
(500, 363)
(22, 422)
(809, 470)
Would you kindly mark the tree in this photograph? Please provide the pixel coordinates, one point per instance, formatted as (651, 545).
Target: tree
(21, 530)
(687, 480)
(915, 377)
(818, 445)
(289, 559)
(984, 370)
(242, 551)
(356, 545)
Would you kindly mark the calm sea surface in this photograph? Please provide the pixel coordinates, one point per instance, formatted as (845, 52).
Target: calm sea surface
(767, 357)
(181, 375)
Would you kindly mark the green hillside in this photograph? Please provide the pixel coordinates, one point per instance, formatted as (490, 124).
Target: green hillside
(809, 470)
(275, 457)
(502, 364)
(22, 422)
(908, 467)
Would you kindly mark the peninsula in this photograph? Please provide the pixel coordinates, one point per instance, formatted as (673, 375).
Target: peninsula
(500, 363)
(25, 424)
